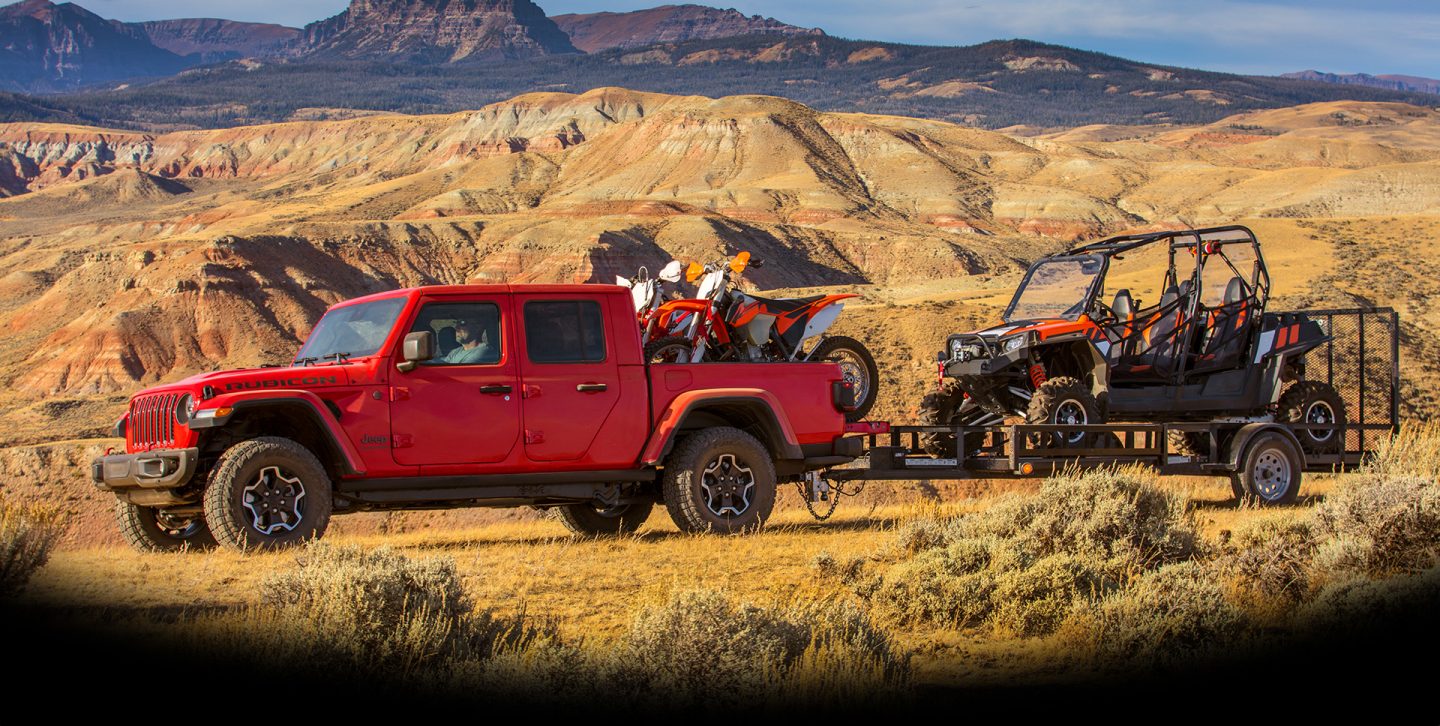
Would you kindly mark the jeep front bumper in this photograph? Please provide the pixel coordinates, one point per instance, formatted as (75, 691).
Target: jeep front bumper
(166, 469)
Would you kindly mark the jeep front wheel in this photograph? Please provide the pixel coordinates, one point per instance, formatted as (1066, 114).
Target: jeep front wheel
(719, 480)
(150, 529)
(267, 492)
(588, 519)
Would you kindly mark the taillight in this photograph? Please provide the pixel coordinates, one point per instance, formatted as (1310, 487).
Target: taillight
(842, 393)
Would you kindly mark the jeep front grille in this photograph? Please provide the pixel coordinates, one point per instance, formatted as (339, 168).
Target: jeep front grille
(152, 421)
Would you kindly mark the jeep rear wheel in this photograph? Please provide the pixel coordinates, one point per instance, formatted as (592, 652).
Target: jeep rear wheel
(268, 492)
(150, 529)
(589, 519)
(719, 480)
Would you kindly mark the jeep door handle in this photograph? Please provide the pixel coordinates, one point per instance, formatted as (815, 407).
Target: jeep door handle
(592, 387)
(495, 390)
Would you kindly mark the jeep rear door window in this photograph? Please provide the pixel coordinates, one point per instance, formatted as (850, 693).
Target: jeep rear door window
(465, 333)
(564, 331)
(352, 331)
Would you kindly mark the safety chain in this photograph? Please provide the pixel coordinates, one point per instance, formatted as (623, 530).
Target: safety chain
(837, 491)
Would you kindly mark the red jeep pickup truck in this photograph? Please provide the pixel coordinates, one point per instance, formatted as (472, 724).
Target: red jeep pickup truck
(475, 395)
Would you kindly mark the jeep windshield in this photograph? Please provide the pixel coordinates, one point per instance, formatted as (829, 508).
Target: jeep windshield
(353, 331)
(1059, 287)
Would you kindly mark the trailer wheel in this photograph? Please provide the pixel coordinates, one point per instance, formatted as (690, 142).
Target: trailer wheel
(1063, 400)
(949, 407)
(1270, 470)
(588, 519)
(1313, 402)
(150, 529)
(719, 480)
(268, 492)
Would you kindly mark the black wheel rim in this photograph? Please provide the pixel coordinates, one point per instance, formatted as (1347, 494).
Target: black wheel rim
(728, 486)
(274, 501)
(176, 526)
(1071, 413)
(1320, 413)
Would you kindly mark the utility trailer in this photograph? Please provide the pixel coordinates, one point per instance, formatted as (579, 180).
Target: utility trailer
(1262, 457)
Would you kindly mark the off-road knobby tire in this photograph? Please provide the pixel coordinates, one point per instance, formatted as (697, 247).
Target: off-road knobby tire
(1190, 443)
(142, 530)
(943, 408)
(829, 346)
(684, 472)
(239, 467)
(584, 520)
(1046, 402)
(1295, 405)
(655, 348)
(1251, 487)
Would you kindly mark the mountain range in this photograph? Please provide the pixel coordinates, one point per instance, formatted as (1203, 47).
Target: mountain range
(438, 56)
(1393, 82)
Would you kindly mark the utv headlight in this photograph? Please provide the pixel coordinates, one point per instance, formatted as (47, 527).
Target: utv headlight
(957, 349)
(1013, 343)
(184, 409)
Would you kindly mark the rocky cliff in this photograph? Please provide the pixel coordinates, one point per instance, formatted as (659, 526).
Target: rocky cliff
(213, 40)
(437, 31)
(592, 32)
(49, 47)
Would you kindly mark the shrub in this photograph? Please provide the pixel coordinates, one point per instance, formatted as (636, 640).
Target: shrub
(1382, 526)
(1343, 605)
(1021, 565)
(1271, 561)
(28, 533)
(1175, 612)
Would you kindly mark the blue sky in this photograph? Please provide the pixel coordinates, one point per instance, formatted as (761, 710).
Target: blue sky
(1240, 36)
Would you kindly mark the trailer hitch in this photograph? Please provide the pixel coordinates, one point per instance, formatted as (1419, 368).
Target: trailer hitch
(816, 488)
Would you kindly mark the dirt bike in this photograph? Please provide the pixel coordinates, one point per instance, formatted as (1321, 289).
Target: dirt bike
(648, 294)
(724, 324)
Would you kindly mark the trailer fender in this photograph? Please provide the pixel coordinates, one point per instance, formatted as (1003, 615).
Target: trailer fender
(230, 409)
(1247, 433)
(760, 407)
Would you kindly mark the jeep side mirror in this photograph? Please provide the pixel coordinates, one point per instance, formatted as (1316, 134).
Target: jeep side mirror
(416, 348)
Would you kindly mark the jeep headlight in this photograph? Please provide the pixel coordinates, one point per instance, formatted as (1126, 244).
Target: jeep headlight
(1013, 343)
(184, 409)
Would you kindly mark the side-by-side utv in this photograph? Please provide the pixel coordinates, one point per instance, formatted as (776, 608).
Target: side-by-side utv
(1081, 345)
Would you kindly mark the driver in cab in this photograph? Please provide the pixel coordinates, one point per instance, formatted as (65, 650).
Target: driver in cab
(474, 344)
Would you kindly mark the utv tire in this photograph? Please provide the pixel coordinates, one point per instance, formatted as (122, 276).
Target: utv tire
(587, 520)
(948, 407)
(719, 480)
(859, 368)
(1312, 402)
(670, 349)
(148, 529)
(267, 493)
(1063, 400)
(1270, 470)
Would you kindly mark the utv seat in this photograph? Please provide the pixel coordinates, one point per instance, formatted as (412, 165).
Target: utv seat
(1227, 328)
(1152, 344)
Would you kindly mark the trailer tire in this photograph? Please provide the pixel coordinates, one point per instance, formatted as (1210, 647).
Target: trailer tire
(948, 407)
(584, 519)
(148, 529)
(1313, 402)
(1270, 470)
(267, 493)
(721, 480)
(1063, 400)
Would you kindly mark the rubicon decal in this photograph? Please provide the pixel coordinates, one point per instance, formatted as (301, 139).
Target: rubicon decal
(281, 383)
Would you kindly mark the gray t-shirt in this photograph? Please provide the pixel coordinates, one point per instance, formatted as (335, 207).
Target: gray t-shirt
(483, 353)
